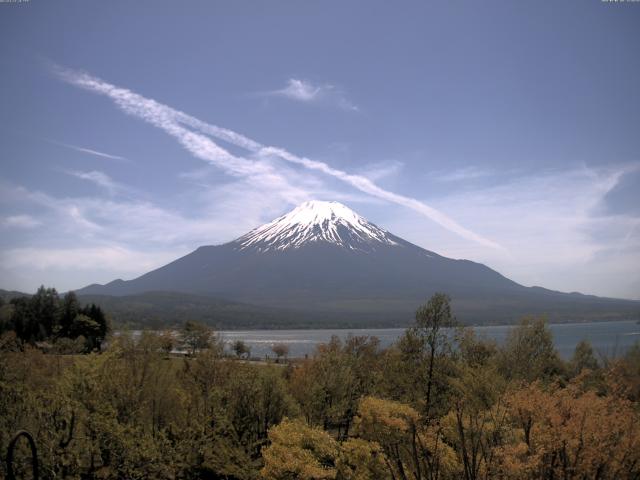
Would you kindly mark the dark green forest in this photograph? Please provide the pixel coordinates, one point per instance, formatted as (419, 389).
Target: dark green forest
(157, 310)
(431, 406)
(54, 323)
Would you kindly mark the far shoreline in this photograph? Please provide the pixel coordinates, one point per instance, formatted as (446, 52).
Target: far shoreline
(363, 328)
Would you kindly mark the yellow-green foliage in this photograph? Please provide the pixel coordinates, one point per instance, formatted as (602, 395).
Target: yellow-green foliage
(360, 459)
(385, 421)
(299, 451)
(350, 412)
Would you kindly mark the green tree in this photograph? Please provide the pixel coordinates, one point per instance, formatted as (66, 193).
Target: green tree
(6, 312)
(69, 309)
(329, 385)
(528, 353)
(432, 320)
(45, 304)
(255, 399)
(196, 336)
(583, 358)
(87, 327)
(167, 341)
(474, 351)
(24, 322)
(241, 349)
(478, 420)
(97, 315)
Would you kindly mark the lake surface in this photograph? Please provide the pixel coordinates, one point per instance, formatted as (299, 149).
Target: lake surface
(607, 338)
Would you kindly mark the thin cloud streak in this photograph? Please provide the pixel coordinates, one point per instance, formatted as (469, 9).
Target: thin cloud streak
(357, 181)
(88, 150)
(463, 174)
(99, 178)
(365, 185)
(20, 221)
(102, 257)
(174, 122)
(378, 171)
(200, 146)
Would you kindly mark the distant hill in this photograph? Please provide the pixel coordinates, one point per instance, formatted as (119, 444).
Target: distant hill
(166, 309)
(323, 264)
(7, 295)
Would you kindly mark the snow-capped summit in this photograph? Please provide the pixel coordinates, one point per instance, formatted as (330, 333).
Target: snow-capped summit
(324, 262)
(317, 221)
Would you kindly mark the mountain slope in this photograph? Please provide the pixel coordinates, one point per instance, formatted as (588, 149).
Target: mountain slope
(323, 258)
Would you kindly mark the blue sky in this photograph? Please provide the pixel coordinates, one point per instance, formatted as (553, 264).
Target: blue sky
(503, 132)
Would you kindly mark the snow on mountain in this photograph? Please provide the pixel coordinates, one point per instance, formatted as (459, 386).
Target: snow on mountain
(317, 221)
(325, 263)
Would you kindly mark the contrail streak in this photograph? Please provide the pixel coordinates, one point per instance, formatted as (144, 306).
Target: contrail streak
(184, 127)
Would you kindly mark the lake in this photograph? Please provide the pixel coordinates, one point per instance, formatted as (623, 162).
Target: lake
(607, 338)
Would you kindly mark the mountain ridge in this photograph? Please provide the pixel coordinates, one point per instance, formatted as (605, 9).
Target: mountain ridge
(322, 257)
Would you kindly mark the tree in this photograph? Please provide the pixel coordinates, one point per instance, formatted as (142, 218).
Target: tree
(45, 305)
(528, 353)
(167, 342)
(583, 358)
(298, 451)
(43, 316)
(478, 419)
(387, 422)
(623, 374)
(329, 385)
(362, 460)
(573, 434)
(6, 312)
(255, 399)
(280, 350)
(67, 313)
(97, 315)
(196, 336)
(24, 322)
(412, 449)
(86, 327)
(35, 318)
(431, 321)
(241, 349)
(474, 351)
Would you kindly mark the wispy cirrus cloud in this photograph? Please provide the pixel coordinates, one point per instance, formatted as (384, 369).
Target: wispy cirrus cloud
(96, 239)
(124, 259)
(300, 90)
(198, 141)
(175, 123)
(553, 224)
(306, 92)
(378, 171)
(100, 179)
(463, 174)
(89, 151)
(20, 221)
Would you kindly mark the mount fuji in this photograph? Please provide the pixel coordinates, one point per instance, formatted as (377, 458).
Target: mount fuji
(324, 261)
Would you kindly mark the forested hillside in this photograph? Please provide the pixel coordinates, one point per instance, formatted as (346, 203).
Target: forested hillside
(429, 407)
(54, 323)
